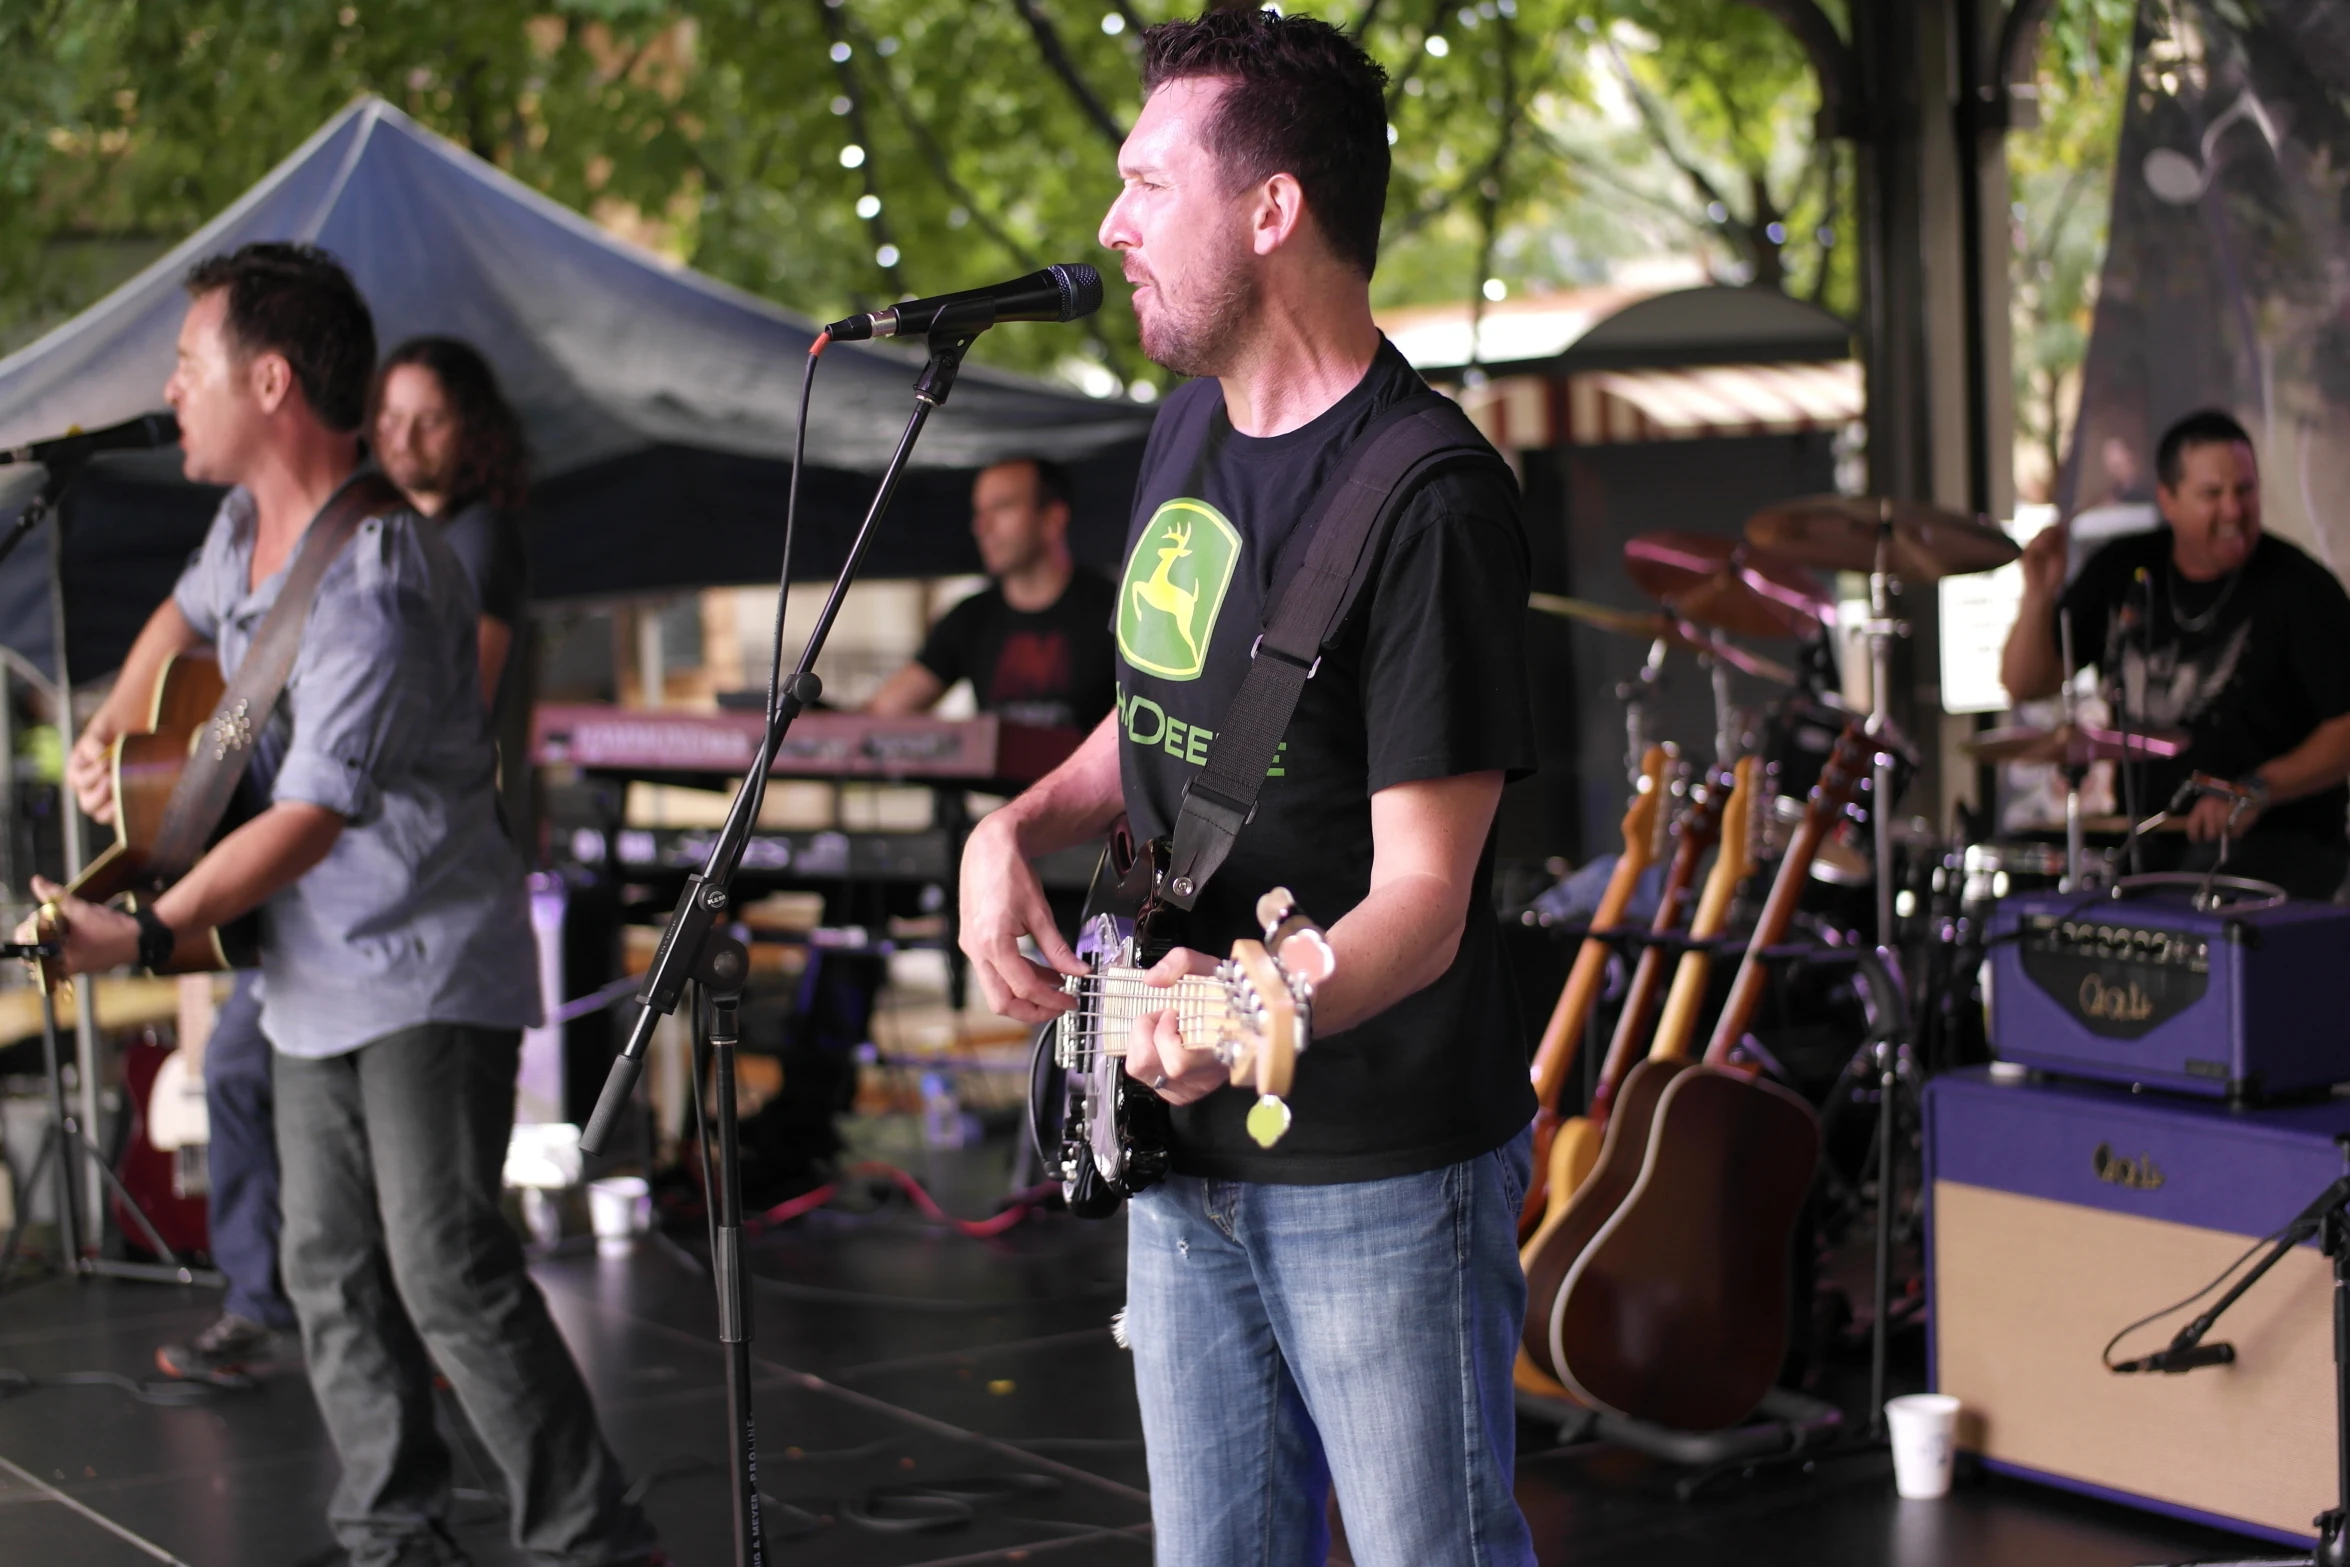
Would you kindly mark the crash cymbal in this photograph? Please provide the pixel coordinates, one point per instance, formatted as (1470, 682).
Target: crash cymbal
(1648, 625)
(2074, 745)
(1839, 533)
(1726, 584)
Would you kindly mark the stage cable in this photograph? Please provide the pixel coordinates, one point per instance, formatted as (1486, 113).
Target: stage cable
(791, 522)
(2227, 1273)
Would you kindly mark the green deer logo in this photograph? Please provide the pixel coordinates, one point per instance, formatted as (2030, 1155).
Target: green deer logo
(1165, 621)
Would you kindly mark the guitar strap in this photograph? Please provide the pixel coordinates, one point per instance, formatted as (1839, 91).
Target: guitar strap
(1375, 475)
(224, 749)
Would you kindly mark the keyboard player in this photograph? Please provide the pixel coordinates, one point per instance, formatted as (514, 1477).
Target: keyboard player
(1035, 643)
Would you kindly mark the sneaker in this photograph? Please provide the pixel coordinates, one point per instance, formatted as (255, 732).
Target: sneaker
(232, 1347)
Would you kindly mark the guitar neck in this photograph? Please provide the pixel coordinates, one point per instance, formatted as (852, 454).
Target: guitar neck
(1112, 999)
(1778, 916)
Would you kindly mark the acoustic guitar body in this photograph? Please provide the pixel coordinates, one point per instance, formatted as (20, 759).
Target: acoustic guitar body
(1677, 1311)
(1575, 1223)
(147, 767)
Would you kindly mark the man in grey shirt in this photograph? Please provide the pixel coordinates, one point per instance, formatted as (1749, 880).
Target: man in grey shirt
(396, 939)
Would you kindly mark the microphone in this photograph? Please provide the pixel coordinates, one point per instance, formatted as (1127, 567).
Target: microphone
(2174, 1361)
(1058, 293)
(130, 435)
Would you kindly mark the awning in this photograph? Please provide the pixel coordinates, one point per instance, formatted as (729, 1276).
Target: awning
(1607, 407)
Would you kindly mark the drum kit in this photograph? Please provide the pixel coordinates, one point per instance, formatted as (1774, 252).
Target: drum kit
(1710, 590)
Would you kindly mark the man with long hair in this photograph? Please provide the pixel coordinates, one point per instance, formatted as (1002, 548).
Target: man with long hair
(1340, 1310)
(396, 947)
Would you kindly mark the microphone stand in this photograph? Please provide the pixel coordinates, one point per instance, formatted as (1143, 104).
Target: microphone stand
(2326, 1219)
(695, 947)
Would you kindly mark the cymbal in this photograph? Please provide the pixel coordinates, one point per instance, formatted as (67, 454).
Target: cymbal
(1726, 584)
(1649, 625)
(2075, 745)
(1839, 533)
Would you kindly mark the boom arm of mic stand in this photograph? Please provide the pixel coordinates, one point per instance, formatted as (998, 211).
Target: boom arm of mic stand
(2306, 1224)
(706, 891)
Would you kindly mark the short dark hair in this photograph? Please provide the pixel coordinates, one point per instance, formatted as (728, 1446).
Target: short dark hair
(1052, 480)
(297, 300)
(2204, 427)
(1305, 100)
(493, 458)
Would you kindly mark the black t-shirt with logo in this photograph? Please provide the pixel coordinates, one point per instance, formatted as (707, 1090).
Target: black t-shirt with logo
(1050, 667)
(2247, 665)
(1426, 680)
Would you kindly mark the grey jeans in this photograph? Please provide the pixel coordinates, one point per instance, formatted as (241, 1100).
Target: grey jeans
(398, 1261)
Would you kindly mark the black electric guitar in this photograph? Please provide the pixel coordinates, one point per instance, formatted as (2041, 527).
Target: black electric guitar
(1103, 1134)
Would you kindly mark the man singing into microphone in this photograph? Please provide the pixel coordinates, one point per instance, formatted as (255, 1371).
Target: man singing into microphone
(1343, 1309)
(396, 940)
(2211, 626)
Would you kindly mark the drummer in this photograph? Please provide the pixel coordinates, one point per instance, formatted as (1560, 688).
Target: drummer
(2210, 627)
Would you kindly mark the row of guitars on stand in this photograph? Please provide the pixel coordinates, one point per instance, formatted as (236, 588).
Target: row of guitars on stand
(1656, 1234)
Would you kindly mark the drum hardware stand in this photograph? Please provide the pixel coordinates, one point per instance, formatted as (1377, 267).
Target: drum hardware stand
(69, 1144)
(1882, 627)
(693, 947)
(2326, 1221)
(1634, 694)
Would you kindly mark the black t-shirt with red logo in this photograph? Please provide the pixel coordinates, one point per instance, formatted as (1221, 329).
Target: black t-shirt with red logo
(1052, 667)
(1426, 679)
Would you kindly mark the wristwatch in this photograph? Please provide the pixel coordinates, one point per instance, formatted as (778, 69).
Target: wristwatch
(156, 939)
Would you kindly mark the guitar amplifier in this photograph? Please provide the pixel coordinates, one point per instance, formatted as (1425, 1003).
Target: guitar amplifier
(2150, 991)
(2058, 1213)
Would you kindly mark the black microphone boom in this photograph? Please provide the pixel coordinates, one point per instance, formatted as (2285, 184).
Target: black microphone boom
(131, 435)
(1058, 293)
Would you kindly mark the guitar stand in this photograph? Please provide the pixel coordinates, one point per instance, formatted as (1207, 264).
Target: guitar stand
(1791, 1426)
(62, 1142)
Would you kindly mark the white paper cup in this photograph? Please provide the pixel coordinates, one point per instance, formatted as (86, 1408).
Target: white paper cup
(1924, 1428)
(620, 1208)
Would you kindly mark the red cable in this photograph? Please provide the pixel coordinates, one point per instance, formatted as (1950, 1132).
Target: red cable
(816, 349)
(1018, 1208)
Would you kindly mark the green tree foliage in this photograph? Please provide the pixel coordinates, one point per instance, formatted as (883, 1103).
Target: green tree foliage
(2061, 172)
(832, 156)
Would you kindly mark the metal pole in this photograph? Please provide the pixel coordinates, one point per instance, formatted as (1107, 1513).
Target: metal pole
(725, 962)
(69, 817)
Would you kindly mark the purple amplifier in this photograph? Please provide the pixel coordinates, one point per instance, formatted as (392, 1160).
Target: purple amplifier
(2059, 1213)
(2244, 1004)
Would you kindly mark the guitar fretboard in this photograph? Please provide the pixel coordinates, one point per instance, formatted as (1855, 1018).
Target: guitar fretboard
(1110, 1000)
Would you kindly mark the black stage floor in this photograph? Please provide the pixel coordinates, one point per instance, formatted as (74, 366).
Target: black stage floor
(894, 1356)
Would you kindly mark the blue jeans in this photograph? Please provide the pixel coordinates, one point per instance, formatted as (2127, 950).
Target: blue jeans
(241, 1211)
(1288, 1338)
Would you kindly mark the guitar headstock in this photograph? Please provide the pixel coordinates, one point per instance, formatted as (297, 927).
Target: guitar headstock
(1701, 820)
(49, 968)
(1847, 765)
(1640, 817)
(1736, 860)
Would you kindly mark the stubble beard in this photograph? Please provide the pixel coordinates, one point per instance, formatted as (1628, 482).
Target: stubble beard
(1202, 335)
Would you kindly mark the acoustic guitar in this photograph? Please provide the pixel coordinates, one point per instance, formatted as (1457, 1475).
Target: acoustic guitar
(1560, 1169)
(1677, 1311)
(1569, 1228)
(1554, 1057)
(147, 768)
